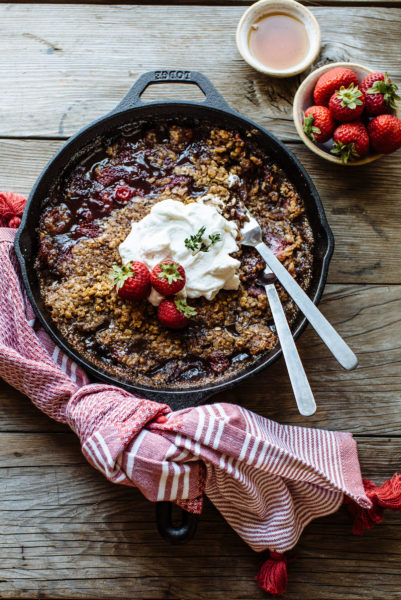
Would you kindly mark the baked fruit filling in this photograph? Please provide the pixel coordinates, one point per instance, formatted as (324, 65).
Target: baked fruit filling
(98, 225)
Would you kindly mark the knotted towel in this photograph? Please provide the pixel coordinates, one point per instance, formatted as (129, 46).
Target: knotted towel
(267, 480)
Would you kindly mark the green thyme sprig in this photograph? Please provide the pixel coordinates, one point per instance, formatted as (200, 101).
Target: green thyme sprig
(196, 243)
(193, 242)
(214, 237)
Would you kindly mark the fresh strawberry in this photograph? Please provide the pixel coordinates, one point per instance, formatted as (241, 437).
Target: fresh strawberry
(385, 133)
(380, 92)
(318, 124)
(351, 141)
(175, 313)
(131, 281)
(347, 104)
(168, 278)
(331, 81)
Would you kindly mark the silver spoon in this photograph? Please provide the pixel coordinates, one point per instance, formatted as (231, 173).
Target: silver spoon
(300, 384)
(252, 236)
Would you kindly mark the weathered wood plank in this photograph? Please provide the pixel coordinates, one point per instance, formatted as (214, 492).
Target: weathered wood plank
(36, 450)
(68, 533)
(65, 531)
(364, 227)
(365, 401)
(245, 3)
(17, 413)
(216, 587)
(71, 64)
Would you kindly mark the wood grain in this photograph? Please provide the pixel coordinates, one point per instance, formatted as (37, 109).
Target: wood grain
(67, 532)
(73, 63)
(245, 3)
(360, 205)
(366, 401)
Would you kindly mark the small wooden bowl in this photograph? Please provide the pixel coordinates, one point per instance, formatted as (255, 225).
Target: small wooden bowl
(304, 99)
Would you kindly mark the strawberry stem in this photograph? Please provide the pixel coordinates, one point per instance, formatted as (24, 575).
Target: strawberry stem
(346, 152)
(309, 128)
(120, 274)
(388, 89)
(170, 272)
(183, 307)
(349, 96)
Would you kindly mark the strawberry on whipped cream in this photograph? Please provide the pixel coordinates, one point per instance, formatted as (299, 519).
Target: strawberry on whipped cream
(162, 233)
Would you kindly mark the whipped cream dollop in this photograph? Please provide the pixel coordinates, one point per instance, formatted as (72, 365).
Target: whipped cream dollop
(162, 234)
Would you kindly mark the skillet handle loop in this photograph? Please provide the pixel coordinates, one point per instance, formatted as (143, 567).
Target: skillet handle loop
(175, 534)
(133, 97)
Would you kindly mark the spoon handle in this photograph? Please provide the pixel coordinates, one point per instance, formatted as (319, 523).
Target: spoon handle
(300, 384)
(337, 346)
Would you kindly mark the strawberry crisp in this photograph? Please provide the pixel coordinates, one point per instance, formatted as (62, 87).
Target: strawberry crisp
(90, 212)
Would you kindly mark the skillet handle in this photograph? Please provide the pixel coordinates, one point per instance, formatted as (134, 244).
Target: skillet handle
(175, 534)
(182, 533)
(133, 97)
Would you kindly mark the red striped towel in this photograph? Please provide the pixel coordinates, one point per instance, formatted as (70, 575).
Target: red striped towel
(267, 480)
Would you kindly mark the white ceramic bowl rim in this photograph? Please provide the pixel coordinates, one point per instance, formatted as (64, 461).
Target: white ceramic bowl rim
(289, 7)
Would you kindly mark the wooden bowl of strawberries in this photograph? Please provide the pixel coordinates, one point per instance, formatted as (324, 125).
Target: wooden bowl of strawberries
(348, 114)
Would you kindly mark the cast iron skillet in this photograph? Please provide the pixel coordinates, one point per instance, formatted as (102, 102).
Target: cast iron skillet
(131, 112)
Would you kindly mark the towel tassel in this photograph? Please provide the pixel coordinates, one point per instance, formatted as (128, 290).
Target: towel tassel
(11, 208)
(272, 575)
(385, 496)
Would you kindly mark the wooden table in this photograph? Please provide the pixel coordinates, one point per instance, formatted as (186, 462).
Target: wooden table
(65, 531)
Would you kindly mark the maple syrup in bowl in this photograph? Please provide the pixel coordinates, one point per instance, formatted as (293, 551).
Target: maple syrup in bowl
(278, 37)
